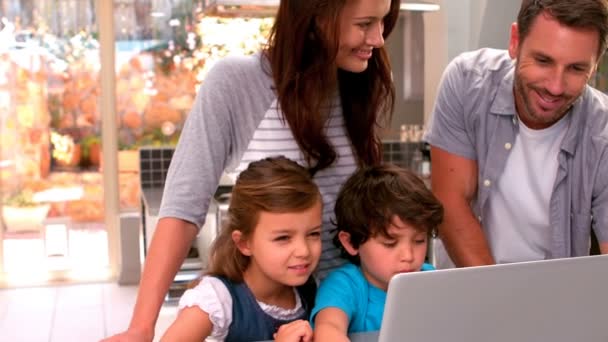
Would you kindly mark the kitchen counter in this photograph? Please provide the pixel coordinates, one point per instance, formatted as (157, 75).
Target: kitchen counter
(154, 164)
(192, 265)
(152, 198)
(364, 337)
(197, 257)
(371, 336)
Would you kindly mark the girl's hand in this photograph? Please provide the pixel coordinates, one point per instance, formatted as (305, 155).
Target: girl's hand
(296, 331)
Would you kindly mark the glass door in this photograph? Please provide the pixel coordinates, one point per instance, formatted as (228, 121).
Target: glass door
(52, 215)
(56, 223)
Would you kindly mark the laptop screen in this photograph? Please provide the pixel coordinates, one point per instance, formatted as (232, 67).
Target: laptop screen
(561, 300)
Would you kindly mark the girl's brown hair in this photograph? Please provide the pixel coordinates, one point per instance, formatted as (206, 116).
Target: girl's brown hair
(276, 185)
(302, 50)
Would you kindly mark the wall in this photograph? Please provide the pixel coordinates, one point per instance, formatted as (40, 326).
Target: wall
(496, 20)
(460, 26)
(435, 53)
(472, 24)
(406, 52)
(418, 52)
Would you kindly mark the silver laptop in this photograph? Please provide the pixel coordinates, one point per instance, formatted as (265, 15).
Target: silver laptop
(562, 300)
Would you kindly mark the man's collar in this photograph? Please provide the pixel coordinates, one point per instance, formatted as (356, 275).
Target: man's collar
(504, 100)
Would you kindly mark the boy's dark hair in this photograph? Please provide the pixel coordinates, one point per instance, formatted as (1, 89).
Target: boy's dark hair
(586, 14)
(373, 195)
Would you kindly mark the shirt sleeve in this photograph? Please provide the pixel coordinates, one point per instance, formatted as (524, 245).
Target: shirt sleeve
(211, 296)
(202, 151)
(427, 267)
(448, 126)
(337, 290)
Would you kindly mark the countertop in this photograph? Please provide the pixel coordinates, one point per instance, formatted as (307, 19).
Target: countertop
(364, 337)
(371, 336)
(152, 198)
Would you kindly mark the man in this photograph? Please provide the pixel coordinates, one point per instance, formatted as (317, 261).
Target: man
(519, 141)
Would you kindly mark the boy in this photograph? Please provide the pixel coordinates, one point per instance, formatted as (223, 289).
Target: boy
(383, 216)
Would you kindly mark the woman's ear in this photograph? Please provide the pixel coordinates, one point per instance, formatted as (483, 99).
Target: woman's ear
(344, 238)
(241, 243)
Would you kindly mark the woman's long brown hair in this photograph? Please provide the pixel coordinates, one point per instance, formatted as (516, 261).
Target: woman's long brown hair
(302, 50)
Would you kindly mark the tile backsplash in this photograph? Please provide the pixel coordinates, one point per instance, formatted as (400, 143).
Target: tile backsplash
(402, 153)
(154, 161)
(153, 165)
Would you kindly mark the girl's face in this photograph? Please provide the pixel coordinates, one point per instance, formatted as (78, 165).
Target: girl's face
(403, 251)
(361, 28)
(284, 247)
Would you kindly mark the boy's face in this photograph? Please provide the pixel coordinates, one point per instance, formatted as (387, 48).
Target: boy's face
(404, 250)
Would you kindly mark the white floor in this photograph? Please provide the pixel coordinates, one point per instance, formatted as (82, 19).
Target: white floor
(78, 313)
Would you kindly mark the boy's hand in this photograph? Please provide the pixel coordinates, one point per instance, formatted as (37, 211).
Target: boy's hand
(296, 331)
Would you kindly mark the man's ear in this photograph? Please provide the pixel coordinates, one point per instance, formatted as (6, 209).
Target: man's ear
(344, 238)
(514, 41)
(241, 243)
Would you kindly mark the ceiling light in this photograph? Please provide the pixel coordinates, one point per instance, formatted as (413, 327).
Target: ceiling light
(418, 6)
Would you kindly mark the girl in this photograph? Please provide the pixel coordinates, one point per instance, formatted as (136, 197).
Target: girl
(259, 283)
(316, 94)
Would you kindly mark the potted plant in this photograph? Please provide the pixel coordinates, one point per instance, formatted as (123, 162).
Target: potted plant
(22, 214)
(91, 151)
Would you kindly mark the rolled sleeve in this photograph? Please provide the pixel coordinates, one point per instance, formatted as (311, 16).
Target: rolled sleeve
(336, 290)
(447, 129)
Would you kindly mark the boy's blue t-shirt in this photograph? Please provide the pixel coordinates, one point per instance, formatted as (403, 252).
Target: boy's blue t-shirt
(347, 289)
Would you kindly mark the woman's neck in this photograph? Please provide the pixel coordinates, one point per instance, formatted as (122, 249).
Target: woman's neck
(268, 291)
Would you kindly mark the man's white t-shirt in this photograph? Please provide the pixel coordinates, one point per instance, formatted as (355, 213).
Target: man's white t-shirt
(517, 225)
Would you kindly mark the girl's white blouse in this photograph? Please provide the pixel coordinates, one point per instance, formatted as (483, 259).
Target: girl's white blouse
(212, 296)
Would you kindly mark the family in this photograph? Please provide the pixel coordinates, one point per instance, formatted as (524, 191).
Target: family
(318, 224)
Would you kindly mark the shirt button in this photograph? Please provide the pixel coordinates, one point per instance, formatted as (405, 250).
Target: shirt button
(479, 218)
(487, 183)
(508, 146)
(515, 120)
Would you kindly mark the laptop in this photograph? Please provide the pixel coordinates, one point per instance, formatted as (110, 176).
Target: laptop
(559, 300)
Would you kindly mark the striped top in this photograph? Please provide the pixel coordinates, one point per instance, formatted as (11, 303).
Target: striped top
(273, 137)
(236, 120)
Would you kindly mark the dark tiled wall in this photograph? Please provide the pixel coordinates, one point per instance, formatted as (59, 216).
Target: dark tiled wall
(154, 161)
(400, 153)
(153, 165)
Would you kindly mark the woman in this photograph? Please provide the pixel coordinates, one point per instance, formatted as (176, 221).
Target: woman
(316, 94)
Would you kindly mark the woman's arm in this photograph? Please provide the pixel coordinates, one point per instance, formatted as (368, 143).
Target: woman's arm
(165, 256)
